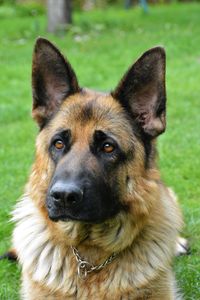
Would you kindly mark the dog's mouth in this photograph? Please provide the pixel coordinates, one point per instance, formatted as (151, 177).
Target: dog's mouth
(60, 218)
(68, 218)
(91, 218)
(65, 218)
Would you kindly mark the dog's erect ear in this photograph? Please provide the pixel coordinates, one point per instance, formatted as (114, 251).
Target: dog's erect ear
(53, 79)
(142, 92)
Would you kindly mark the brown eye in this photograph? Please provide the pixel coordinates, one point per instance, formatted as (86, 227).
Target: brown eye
(59, 145)
(108, 148)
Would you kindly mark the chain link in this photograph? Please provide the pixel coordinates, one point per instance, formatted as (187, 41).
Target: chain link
(85, 267)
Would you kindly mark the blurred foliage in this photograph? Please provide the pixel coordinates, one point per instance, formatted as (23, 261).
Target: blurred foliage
(26, 7)
(7, 2)
(11, 8)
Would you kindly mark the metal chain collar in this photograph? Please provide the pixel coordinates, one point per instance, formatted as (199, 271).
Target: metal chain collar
(85, 267)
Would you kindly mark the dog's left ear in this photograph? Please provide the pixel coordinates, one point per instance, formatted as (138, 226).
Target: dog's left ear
(53, 79)
(142, 92)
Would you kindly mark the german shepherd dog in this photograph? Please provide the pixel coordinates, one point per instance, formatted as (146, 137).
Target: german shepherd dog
(96, 221)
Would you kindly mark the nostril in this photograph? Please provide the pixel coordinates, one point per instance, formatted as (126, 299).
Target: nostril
(73, 198)
(56, 195)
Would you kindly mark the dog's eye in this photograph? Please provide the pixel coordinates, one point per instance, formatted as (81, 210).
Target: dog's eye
(108, 148)
(59, 145)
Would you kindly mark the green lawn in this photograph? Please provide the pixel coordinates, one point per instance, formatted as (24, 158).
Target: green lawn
(101, 45)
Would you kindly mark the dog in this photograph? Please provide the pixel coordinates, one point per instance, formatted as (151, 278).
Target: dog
(95, 220)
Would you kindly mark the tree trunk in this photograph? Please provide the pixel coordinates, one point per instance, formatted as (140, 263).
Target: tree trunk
(59, 14)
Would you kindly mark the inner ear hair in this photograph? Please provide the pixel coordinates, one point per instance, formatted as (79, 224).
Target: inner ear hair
(53, 79)
(142, 92)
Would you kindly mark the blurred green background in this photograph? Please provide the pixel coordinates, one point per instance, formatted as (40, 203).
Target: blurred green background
(102, 41)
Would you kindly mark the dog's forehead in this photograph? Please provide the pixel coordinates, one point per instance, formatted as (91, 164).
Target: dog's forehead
(91, 108)
(89, 105)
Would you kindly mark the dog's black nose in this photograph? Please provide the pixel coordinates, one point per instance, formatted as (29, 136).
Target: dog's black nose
(66, 194)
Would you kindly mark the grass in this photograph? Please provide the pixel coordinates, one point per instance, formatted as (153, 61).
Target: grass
(100, 46)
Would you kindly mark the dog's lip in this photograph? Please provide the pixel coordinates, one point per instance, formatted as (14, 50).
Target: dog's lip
(76, 216)
(67, 218)
(59, 218)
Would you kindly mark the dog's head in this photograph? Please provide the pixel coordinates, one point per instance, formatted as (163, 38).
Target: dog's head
(94, 150)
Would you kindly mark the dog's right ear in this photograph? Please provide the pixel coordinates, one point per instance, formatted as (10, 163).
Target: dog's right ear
(53, 79)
